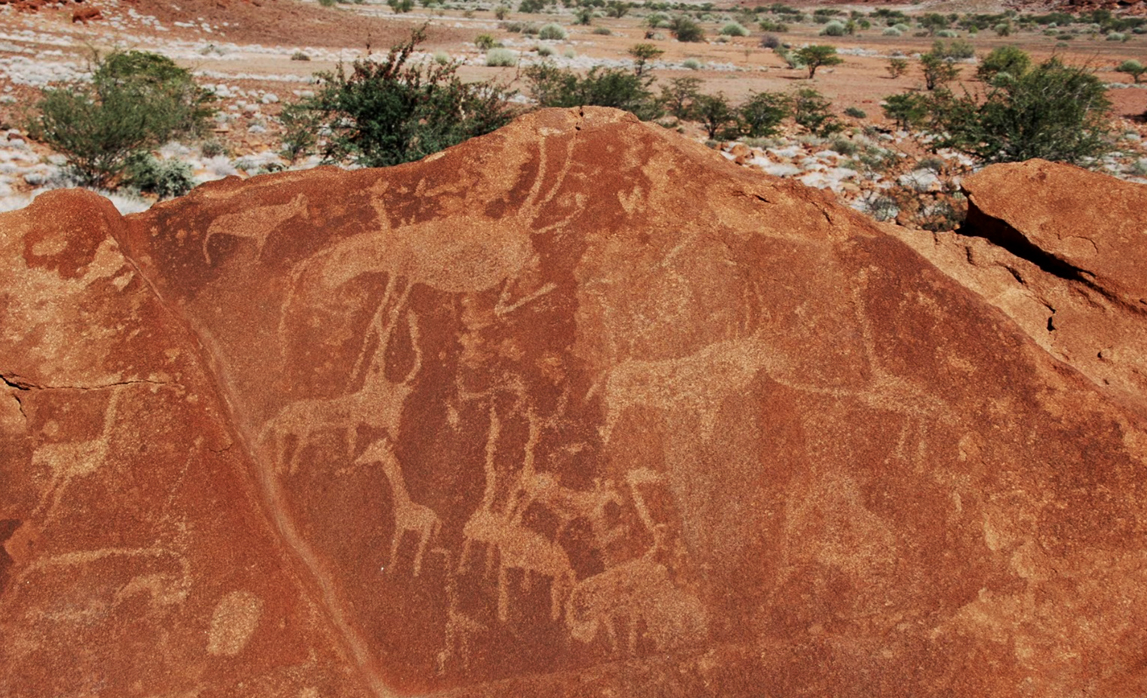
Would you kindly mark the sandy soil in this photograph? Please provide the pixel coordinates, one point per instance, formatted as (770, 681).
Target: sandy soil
(250, 51)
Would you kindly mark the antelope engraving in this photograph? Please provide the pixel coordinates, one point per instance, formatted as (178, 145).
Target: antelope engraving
(698, 382)
(67, 460)
(408, 516)
(639, 593)
(377, 403)
(517, 546)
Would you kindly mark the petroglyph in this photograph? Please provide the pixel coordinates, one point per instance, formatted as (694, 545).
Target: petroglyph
(255, 224)
(67, 460)
(408, 516)
(638, 594)
(378, 402)
(697, 383)
(160, 572)
(460, 626)
(516, 546)
(233, 622)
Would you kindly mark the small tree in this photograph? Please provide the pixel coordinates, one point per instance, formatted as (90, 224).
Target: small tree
(685, 29)
(617, 9)
(135, 101)
(908, 109)
(897, 67)
(938, 71)
(763, 113)
(642, 54)
(390, 112)
(1133, 68)
(715, 114)
(677, 97)
(811, 110)
(816, 56)
(1055, 112)
(1007, 60)
(611, 87)
(933, 22)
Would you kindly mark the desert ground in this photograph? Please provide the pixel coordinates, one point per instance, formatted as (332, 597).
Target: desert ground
(257, 57)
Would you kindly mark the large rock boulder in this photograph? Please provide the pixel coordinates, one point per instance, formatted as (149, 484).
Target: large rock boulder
(1062, 251)
(575, 408)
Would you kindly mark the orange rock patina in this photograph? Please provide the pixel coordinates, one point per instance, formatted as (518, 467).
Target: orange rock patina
(575, 408)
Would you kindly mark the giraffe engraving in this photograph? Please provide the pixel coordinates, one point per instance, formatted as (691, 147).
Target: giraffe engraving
(378, 402)
(408, 516)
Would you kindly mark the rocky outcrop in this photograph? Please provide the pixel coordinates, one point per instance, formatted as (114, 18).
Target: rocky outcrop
(575, 408)
(1060, 250)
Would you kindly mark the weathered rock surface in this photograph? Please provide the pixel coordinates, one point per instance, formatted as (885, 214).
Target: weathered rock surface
(576, 408)
(1060, 250)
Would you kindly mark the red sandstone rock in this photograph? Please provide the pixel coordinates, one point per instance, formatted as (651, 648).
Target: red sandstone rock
(1060, 250)
(85, 14)
(576, 408)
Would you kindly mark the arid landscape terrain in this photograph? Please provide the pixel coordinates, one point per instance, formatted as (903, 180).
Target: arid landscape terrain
(252, 57)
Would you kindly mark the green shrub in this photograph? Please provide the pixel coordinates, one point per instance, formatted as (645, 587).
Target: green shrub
(389, 112)
(1003, 29)
(617, 9)
(300, 56)
(544, 51)
(642, 55)
(164, 178)
(135, 101)
(763, 113)
(552, 32)
(768, 25)
(1004, 60)
(897, 67)
(908, 109)
(500, 58)
(833, 28)
(938, 71)
(947, 34)
(677, 97)
(856, 113)
(815, 56)
(501, 11)
(685, 29)
(657, 20)
(1133, 68)
(733, 29)
(954, 50)
(612, 87)
(844, 146)
(328, 3)
(441, 57)
(715, 114)
(1054, 111)
(212, 148)
(485, 42)
(531, 6)
(691, 64)
(789, 57)
(811, 110)
(401, 6)
(891, 31)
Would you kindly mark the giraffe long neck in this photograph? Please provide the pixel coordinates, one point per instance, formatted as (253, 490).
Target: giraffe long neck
(393, 474)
